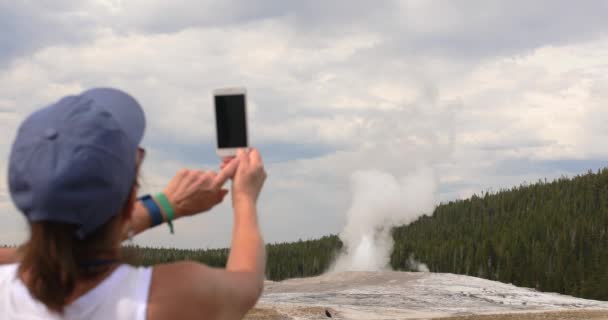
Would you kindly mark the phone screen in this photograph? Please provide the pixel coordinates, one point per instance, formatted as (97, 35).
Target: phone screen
(230, 121)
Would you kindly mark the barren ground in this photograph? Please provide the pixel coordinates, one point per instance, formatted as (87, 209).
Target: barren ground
(407, 295)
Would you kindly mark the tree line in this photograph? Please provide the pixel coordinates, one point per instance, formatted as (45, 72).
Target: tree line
(285, 260)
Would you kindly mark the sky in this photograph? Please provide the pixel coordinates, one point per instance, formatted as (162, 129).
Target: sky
(487, 94)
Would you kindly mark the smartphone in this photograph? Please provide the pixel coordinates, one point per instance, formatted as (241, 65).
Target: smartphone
(230, 120)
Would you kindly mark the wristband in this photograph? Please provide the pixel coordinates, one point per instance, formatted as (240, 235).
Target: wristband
(164, 203)
(156, 216)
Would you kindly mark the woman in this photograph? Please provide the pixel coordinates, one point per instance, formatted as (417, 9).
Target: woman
(73, 173)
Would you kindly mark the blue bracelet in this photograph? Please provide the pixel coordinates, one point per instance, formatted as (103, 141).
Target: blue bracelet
(153, 210)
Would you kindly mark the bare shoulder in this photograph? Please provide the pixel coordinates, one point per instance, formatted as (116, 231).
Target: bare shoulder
(8, 255)
(181, 291)
(191, 290)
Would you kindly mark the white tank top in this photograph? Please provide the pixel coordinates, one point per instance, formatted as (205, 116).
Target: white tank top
(123, 295)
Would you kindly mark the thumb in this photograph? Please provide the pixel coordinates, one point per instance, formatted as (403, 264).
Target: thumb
(222, 194)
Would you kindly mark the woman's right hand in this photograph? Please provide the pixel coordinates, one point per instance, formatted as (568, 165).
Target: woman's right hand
(249, 177)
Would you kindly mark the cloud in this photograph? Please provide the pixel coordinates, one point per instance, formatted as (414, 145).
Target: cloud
(29, 26)
(486, 94)
(466, 30)
(479, 29)
(14, 229)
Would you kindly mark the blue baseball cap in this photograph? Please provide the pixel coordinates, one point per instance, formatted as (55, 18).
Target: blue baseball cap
(75, 160)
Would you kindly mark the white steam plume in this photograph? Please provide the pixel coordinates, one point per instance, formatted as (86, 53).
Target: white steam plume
(381, 201)
(417, 265)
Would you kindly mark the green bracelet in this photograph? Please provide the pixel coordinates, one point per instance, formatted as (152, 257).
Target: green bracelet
(164, 203)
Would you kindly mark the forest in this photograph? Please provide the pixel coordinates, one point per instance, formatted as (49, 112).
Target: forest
(285, 260)
(551, 236)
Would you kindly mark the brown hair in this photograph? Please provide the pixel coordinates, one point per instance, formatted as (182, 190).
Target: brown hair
(53, 259)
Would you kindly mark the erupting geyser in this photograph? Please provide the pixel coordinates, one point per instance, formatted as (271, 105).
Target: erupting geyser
(381, 201)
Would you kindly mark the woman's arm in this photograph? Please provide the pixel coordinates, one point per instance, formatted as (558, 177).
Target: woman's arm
(247, 252)
(8, 255)
(140, 220)
(190, 289)
(238, 287)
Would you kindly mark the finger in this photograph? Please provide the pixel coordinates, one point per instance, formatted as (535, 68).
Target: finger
(225, 161)
(182, 173)
(208, 179)
(255, 158)
(223, 193)
(177, 179)
(189, 180)
(182, 178)
(243, 156)
(203, 181)
(219, 196)
(198, 174)
(226, 173)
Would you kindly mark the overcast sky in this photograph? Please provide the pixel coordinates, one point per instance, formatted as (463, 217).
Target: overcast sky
(488, 94)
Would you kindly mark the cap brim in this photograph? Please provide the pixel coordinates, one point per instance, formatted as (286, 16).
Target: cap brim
(123, 108)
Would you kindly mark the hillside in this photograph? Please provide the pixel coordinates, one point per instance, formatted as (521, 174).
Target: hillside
(549, 235)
